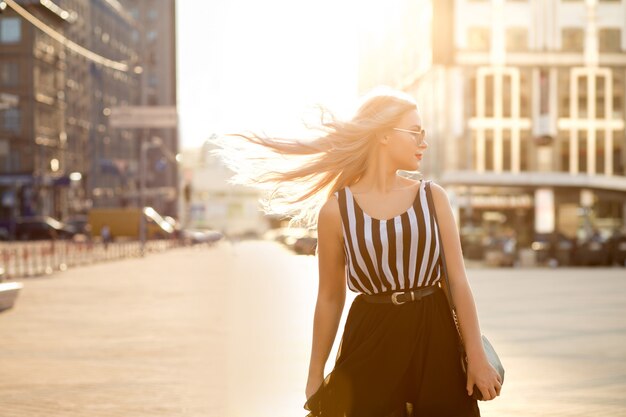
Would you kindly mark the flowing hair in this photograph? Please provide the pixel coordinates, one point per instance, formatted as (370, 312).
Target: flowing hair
(301, 175)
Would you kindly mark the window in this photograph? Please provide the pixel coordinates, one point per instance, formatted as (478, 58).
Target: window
(544, 92)
(4, 152)
(618, 94)
(610, 40)
(11, 120)
(10, 30)
(9, 74)
(14, 161)
(572, 39)
(516, 39)
(478, 39)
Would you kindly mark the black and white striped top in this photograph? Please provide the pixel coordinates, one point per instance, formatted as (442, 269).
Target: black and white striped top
(396, 254)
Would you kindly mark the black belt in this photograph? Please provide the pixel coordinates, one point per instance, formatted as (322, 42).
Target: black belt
(401, 297)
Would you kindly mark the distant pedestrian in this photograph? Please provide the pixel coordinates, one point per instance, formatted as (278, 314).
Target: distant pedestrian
(398, 353)
(509, 247)
(105, 234)
(595, 236)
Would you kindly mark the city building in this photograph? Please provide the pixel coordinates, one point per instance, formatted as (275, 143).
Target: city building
(112, 154)
(33, 109)
(62, 157)
(157, 54)
(523, 102)
(62, 72)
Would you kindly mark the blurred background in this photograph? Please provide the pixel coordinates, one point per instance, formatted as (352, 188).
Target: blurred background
(107, 104)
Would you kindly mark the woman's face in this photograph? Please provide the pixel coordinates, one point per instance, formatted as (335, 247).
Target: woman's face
(406, 142)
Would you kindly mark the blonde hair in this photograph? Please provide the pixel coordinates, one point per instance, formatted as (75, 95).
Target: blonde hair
(302, 175)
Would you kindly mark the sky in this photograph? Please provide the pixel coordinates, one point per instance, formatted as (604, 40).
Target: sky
(261, 65)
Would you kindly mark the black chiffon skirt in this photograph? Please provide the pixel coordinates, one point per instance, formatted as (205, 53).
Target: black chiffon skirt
(396, 361)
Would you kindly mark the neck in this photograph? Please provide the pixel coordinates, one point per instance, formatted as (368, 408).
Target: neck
(380, 176)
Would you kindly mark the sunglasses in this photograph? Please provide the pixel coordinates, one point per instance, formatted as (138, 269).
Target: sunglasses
(418, 136)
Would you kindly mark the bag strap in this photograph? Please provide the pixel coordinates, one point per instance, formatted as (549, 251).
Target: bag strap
(442, 262)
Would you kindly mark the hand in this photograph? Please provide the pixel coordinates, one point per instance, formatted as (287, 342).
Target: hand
(313, 384)
(486, 378)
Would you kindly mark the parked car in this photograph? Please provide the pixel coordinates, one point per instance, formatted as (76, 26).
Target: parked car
(500, 251)
(593, 251)
(617, 248)
(79, 225)
(555, 245)
(41, 227)
(124, 222)
(286, 235)
(196, 236)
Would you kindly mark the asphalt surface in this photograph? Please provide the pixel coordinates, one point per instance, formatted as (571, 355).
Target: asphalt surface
(226, 331)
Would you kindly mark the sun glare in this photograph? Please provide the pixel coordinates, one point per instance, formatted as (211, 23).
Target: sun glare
(264, 65)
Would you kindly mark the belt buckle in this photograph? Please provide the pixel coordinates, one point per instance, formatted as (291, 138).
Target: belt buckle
(394, 298)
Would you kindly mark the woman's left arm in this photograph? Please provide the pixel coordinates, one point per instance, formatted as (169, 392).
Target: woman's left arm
(480, 372)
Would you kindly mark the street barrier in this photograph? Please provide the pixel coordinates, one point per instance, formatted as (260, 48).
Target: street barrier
(38, 258)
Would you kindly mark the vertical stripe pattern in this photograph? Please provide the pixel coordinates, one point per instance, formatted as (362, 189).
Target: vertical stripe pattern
(389, 255)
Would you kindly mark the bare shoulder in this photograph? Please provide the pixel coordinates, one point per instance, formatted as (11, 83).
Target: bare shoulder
(440, 195)
(330, 209)
(438, 189)
(330, 216)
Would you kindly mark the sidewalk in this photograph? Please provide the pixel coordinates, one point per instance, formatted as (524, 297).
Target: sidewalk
(225, 332)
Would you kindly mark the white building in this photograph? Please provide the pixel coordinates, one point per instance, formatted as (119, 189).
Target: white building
(523, 102)
(215, 204)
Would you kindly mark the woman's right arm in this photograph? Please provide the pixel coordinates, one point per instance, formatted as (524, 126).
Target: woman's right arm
(331, 293)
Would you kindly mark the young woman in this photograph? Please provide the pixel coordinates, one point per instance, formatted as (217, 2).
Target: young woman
(398, 353)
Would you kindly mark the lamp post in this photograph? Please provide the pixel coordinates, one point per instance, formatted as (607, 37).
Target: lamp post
(146, 143)
(146, 118)
(153, 142)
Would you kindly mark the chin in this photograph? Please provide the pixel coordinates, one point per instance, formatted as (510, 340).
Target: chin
(412, 167)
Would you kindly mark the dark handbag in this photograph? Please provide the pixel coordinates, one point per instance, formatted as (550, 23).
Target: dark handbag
(490, 352)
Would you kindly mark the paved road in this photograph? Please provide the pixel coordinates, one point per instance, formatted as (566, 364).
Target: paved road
(226, 332)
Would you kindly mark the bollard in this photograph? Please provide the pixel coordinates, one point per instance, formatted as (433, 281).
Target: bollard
(25, 262)
(54, 262)
(15, 259)
(27, 259)
(60, 256)
(5, 261)
(84, 253)
(90, 250)
(68, 260)
(41, 266)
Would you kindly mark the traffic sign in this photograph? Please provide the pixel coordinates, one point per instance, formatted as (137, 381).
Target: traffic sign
(129, 117)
